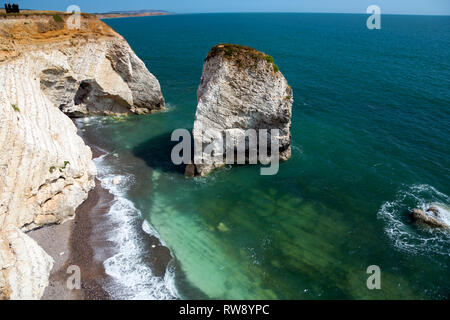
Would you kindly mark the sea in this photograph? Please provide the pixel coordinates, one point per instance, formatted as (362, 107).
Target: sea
(370, 141)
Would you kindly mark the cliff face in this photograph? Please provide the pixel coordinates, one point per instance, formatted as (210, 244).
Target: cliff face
(98, 77)
(46, 170)
(241, 89)
(24, 266)
(87, 71)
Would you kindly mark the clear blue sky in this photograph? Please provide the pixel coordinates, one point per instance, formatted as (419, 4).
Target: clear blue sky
(441, 7)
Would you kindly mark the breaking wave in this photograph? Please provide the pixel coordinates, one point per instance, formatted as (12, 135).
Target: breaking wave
(132, 278)
(404, 233)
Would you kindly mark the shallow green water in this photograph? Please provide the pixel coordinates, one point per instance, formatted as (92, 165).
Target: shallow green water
(371, 139)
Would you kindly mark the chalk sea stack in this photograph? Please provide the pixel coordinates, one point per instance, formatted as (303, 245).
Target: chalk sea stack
(241, 88)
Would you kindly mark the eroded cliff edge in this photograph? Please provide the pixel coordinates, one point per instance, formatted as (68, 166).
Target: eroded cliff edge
(46, 171)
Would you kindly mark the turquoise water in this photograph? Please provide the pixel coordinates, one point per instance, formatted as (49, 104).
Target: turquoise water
(371, 138)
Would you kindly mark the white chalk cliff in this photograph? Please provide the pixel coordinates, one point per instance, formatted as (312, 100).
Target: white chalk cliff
(241, 88)
(46, 170)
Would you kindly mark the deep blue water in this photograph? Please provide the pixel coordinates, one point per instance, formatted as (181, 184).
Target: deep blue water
(371, 139)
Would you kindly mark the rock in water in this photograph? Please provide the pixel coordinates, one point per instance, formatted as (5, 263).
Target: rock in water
(434, 210)
(222, 227)
(241, 89)
(420, 216)
(90, 71)
(190, 171)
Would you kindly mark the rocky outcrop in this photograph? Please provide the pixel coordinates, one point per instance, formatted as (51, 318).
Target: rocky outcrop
(46, 170)
(86, 71)
(431, 218)
(241, 88)
(100, 78)
(24, 266)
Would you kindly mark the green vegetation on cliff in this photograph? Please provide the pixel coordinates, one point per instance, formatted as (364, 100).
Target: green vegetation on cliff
(244, 56)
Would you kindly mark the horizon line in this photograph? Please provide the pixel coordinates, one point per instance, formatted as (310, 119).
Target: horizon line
(256, 12)
(317, 12)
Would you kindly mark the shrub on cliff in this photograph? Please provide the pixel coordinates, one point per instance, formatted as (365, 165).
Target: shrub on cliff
(57, 18)
(243, 55)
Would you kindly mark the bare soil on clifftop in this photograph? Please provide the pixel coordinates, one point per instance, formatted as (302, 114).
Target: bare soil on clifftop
(32, 31)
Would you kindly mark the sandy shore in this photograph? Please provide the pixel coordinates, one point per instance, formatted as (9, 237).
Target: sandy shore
(72, 244)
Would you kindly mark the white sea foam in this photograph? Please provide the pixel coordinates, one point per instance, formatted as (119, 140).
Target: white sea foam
(170, 107)
(148, 229)
(404, 234)
(169, 279)
(133, 279)
(297, 150)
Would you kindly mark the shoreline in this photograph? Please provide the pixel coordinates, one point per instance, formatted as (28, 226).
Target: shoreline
(84, 242)
(72, 243)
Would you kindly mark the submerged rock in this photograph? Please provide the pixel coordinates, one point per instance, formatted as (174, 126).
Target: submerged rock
(241, 89)
(433, 221)
(222, 227)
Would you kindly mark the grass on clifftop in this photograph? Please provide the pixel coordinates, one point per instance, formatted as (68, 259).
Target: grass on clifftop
(243, 55)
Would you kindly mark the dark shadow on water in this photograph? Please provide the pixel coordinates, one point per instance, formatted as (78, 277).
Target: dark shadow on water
(156, 152)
